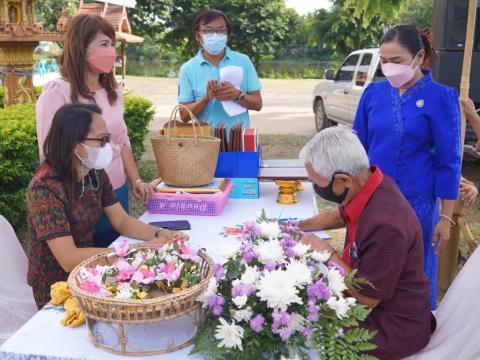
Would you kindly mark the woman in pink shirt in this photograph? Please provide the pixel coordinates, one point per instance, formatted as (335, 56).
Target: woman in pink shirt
(87, 77)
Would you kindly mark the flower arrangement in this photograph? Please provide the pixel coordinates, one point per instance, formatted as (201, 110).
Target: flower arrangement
(275, 298)
(144, 273)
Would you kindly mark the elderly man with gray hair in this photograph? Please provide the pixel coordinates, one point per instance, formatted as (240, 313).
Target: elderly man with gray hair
(383, 240)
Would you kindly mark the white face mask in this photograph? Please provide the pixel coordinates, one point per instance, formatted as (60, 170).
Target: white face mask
(98, 158)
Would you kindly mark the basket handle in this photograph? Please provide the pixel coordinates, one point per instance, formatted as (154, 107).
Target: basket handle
(173, 117)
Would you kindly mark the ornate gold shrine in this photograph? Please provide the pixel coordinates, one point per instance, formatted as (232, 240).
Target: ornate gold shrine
(20, 34)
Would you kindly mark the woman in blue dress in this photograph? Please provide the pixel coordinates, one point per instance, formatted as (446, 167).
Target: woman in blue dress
(410, 126)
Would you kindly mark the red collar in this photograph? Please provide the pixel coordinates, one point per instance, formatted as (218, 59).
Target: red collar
(353, 210)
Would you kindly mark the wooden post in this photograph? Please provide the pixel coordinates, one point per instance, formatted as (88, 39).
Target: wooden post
(447, 262)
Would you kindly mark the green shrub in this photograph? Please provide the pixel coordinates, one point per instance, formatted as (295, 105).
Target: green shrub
(19, 154)
(19, 150)
(138, 114)
(2, 96)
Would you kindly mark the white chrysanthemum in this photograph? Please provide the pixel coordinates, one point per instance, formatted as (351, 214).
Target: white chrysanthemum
(243, 315)
(297, 322)
(211, 290)
(228, 251)
(230, 335)
(270, 230)
(270, 251)
(301, 249)
(123, 293)
(278, 290)
(299, 272)
(250, 275)
(340, 305)
(240, 301)
(336, 283)
(320, 256)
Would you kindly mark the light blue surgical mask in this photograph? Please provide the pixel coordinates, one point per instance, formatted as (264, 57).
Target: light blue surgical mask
(214, 43)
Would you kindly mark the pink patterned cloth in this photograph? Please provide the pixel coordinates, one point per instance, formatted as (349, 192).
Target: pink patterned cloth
(57, 93)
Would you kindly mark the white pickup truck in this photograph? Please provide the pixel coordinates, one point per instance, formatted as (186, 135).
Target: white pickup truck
(335, 101)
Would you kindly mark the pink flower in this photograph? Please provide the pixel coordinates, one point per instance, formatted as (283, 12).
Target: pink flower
(143, 276)
(125, 270)
(94, 288)
(125, 274)
(169, 272)
(189, 253)
(121, 248)
(92, 271)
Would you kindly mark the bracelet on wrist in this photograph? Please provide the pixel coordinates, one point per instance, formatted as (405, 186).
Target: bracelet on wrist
(450, 220)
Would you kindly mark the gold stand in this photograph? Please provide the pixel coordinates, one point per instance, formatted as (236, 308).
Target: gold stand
(288, 189)
(299, 185)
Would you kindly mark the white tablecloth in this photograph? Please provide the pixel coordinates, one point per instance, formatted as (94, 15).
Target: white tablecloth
(43, 337)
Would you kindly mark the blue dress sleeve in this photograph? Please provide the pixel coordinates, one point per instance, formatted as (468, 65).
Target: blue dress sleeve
(360, 123)
(446, 130)
(185, 89)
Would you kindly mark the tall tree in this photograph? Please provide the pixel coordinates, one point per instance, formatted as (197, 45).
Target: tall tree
(49, 11)
(340, 30)
(150, 17)
(368, 10)
(416, 12)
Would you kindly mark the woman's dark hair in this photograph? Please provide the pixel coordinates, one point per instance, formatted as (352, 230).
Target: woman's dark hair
(70, 126)
(81, 31)
(207, 16)
(411, 39)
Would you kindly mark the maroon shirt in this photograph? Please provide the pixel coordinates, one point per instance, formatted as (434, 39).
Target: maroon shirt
(48, 218)
(388, 251)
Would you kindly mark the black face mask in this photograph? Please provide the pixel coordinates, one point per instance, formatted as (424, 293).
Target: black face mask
(327, 192)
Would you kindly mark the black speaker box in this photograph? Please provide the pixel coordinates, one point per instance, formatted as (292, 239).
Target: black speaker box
(447, 69)
(450, 25)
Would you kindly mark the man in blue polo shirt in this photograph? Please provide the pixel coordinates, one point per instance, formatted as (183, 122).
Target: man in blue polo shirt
(203, 86)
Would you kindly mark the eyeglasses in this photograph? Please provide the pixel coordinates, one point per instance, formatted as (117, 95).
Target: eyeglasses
(223, 31)
(103, 140)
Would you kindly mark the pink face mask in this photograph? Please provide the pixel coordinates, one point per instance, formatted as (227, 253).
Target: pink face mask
(398, 74)
(102, 59)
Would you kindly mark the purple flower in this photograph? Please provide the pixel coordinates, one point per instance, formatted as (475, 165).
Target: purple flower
(312, 311)
(281, 318)
(285, 333)
(271, 266)
(251, 228)
(290, 252)
(318, 290)
(241, 289)
(217, 310)
(256, 323)
(333, 265)
(307, 333)
(339, 332)
(216, 300)
(218, 272)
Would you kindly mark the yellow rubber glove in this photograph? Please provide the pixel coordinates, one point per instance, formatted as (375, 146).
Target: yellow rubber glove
(73, 317)
(59, 292)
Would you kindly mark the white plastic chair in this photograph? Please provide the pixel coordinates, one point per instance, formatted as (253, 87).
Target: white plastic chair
(458, 318)
(17, 304)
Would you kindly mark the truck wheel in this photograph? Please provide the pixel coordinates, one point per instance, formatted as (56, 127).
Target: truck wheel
(321, 120)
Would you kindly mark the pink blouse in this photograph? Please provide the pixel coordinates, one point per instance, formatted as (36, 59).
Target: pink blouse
(57, 93)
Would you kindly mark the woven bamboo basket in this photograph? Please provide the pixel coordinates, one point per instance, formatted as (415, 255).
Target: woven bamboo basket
(118, 315)
(186, 161)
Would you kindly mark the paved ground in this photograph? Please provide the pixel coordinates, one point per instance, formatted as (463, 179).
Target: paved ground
(287, 105)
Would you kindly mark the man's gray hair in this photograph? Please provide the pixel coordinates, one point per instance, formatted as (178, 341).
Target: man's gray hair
(335, 149)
